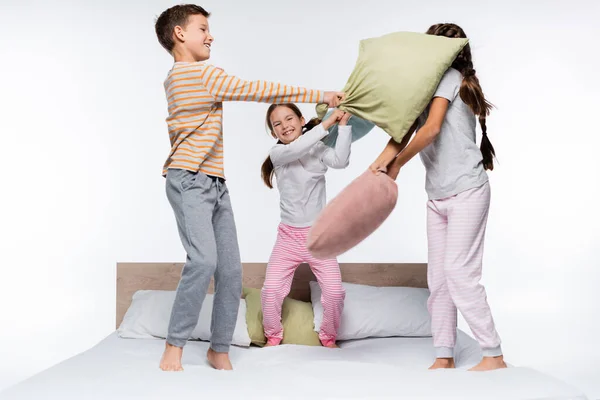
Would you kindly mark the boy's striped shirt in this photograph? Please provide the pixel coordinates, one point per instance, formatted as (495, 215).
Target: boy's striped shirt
(195, 92)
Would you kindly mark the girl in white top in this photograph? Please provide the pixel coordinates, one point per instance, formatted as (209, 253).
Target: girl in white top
(299, 162)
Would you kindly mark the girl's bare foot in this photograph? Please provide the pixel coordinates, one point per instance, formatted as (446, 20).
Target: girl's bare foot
(171, 359)
(272, 342)
(329, 343)
(489, 364)
(219, 360)
(443, 363)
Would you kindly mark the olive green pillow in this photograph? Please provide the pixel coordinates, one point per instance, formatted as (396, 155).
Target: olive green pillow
(395, 78)
(297, 317)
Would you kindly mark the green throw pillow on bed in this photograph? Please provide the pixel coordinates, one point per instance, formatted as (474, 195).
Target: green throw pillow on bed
(297, 317)
(395, 77)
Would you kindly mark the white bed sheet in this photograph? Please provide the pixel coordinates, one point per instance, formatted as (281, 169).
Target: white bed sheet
(124, 369)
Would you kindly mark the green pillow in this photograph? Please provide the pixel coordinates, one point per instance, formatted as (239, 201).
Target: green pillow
(395, 78)
(360, 128)
(297, 317)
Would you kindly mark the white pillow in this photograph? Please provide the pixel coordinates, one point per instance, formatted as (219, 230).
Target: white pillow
(371, 311)
(150, 310)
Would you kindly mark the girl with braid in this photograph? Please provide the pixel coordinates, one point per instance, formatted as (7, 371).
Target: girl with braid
(459, 198)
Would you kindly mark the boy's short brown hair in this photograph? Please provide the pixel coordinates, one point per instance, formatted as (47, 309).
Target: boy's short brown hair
(172, 17)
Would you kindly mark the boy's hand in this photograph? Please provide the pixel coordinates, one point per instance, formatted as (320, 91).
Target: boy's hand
(335, 116)
(333, 99)
(345, 118)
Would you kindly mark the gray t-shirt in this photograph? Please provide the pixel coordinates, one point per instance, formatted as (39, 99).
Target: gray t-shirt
(453, 161)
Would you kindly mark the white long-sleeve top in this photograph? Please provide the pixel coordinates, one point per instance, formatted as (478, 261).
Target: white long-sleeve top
(300, 169)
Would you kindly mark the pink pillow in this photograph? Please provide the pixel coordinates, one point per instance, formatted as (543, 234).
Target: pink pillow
(353, 215)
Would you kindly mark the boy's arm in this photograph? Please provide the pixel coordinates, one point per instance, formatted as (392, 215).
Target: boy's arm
(224, 87)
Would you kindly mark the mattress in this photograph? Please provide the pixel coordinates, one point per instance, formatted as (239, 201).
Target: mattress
(123, 369)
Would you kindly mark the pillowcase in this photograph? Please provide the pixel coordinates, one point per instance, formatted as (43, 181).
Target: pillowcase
(360, 128)
(355, 213)
(395, 77)
(371, 311)
(297, 317)
(150, 311)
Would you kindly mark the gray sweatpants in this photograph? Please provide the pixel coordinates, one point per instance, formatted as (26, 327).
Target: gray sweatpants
(207, 229)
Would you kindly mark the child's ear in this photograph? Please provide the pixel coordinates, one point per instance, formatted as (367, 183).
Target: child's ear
(302, 121)
(179, 33)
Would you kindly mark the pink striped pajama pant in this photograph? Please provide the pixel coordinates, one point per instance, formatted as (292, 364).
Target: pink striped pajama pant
(455, 235)
(289, 252)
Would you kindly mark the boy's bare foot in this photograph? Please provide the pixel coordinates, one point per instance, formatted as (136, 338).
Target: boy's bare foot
(171, 359)
(489, 364)
(271, 344)
(443, 363)
(219, 360)
(332, 346)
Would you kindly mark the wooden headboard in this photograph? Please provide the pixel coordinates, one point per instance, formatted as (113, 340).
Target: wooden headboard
(132, 277)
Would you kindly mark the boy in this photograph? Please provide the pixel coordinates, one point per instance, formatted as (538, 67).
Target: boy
(195, 180)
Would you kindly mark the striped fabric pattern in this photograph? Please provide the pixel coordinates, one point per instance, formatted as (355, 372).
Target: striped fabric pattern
(289, 252)
(455, 233)
(195, 92)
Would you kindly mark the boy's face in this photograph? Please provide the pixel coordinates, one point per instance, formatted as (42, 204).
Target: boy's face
(196, 37)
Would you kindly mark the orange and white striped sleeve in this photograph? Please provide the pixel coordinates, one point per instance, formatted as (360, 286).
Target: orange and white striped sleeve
(224, 87)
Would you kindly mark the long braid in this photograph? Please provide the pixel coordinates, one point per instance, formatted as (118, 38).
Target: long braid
(470, 89)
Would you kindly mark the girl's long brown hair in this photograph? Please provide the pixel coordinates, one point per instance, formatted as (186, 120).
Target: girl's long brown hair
(267, 166)
(470, 89)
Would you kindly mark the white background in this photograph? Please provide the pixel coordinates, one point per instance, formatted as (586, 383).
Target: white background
(83, 141)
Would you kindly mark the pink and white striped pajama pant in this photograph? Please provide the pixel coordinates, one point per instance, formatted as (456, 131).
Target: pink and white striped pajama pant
(289, 252)
(455, 233)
